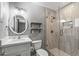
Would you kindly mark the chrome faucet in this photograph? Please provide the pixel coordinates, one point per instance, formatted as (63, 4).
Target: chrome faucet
(19, 36)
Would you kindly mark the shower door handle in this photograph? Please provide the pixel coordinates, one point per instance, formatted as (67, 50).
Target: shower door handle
(61, 32)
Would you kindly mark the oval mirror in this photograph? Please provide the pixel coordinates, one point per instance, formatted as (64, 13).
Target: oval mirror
(18, 24)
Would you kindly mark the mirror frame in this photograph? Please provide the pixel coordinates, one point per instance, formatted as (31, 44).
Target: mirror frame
(26, 25)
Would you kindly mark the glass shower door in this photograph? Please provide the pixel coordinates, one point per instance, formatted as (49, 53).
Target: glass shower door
(69, 29)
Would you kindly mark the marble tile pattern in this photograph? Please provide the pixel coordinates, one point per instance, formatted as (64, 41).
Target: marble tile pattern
(51, 25)
(69, 41)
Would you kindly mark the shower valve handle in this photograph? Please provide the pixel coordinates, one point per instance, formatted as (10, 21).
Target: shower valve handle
(61, 32)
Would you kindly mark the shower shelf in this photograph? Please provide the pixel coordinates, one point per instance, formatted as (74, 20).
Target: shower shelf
(36, 27)
(35, 23)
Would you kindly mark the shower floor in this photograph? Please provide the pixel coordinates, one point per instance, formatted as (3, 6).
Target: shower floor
(76, 53)
(58, 52)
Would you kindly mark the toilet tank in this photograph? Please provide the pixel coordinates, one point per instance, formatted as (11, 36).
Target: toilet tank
(37, 44)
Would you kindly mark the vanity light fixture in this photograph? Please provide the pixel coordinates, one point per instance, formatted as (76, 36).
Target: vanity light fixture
(19, 10)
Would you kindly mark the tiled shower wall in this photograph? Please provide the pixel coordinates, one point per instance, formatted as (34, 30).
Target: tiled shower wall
(69, 42)
(51, 25)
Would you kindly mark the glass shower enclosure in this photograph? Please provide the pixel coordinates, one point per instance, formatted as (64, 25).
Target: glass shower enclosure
(69, 29)
(65, 41)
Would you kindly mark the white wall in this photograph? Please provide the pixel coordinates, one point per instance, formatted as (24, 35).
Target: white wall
(4, 16)
(35, 14)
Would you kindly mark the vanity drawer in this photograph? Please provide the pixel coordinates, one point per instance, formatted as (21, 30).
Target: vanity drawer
(19, 53)
(17, 48)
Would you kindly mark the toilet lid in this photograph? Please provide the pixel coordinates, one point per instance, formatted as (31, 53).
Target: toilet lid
(42, 52)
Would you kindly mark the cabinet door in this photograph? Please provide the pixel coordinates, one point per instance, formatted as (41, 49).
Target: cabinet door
(20, 50)
(13, 49)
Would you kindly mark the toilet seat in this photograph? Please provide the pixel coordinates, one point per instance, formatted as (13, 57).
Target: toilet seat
(42, 52)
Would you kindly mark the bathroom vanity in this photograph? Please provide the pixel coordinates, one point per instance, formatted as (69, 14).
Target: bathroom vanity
(18, 24)
(16, 47)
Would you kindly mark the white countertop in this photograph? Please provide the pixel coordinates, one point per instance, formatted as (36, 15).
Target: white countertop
(7, 41)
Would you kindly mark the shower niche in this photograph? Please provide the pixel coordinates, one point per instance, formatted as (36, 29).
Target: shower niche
(68, 24)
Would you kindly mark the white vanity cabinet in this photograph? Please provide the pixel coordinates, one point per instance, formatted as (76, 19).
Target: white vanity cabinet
(17, 50)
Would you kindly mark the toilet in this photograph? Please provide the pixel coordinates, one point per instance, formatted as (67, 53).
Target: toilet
(39, 51)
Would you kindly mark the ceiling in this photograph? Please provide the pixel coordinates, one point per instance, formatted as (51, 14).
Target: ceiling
(52, 5)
